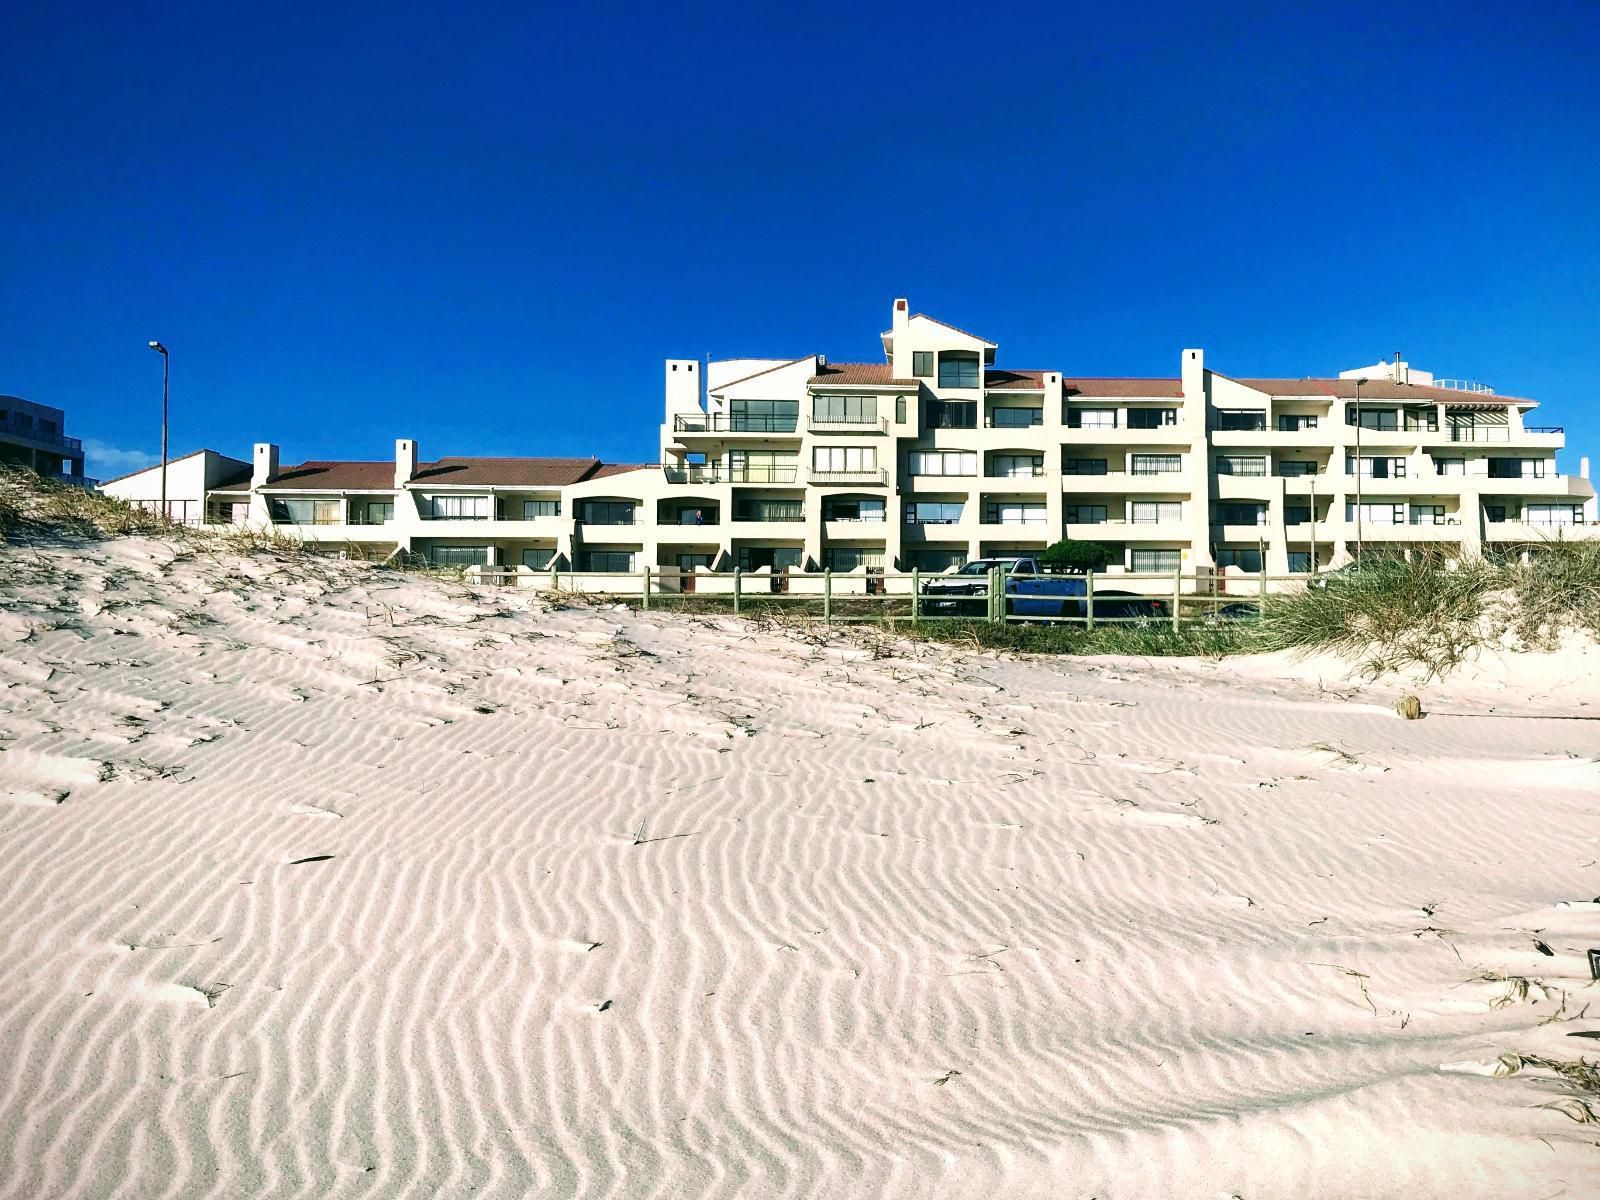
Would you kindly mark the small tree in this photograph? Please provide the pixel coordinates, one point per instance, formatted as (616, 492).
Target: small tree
(1076, 557)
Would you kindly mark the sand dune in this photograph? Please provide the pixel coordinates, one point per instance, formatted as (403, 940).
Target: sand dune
(326, 881)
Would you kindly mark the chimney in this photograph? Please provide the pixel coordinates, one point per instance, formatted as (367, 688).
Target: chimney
(1583, 467)
(405, 461)
(264, 469)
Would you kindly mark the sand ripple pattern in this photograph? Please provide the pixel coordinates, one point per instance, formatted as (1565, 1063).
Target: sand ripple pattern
(324, 881)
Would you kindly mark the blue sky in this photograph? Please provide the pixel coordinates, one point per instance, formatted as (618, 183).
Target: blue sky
(485, 226)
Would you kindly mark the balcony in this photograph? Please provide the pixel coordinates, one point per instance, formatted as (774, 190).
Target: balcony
(719, 424)
(863, 425)
(1487, 433)
(871, 476)
(32, 433)
(694, 473)
(762, 473)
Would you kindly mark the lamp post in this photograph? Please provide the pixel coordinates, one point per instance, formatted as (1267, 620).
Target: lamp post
(166, 364)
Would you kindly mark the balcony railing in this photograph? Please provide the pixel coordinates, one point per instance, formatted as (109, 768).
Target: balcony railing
(694, 473)
(784, 518)
(1017, 473)
(34, 434)
(847, 424)
(1543, 429)
(1482, 433)
(722, 423)
(762, 474)
(877, 475)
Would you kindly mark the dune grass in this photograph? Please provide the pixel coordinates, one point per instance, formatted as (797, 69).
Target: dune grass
(1152, 638)
(31, 502)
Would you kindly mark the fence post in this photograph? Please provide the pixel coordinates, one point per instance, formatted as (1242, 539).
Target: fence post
(644, 599)
(916, 596)
(736, 577)
(1088, 600)
(1177, 594)
(997, 596)
(555, 574)
(827, 597)
(1261, 604)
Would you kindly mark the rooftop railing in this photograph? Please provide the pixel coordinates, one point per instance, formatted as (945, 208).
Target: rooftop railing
(723, 423)
(33, 433)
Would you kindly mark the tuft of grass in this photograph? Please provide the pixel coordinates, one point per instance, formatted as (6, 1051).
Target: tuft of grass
(1581, 1077)
(31, 502)
(1392, 614)
(1556, 590)
(1154, 639)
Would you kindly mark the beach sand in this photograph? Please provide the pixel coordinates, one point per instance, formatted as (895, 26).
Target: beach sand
(320, 880)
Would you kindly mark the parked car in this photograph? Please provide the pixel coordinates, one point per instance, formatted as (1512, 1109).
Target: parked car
(1237, 610)
(1029, 592)
(1113, 606)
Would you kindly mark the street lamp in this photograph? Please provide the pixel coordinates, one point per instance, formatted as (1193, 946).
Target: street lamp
(166, 365)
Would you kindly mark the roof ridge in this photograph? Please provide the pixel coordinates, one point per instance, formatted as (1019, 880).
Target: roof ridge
(763, 371)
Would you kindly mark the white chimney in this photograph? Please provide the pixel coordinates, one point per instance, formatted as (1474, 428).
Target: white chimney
(1583, 467)
(264, 468)
(405, 461)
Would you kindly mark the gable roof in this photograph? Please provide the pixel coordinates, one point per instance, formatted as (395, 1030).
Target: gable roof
(889, 333)
(171, 462)
(859, 374)
(1013, 381)
(759, 374)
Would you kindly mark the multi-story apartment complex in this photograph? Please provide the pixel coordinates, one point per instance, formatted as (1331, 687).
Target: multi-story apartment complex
(935, 456)
(32, 436)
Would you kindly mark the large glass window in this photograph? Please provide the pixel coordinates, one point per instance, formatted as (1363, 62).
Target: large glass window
(952, 414)
(1450, 466)
(1016, 466)
(607, 512)
(1300, 562)
(854, 508)
(459, 508)
(930, 558)
(305, 512)
(1155, 512)
(839, 460)
(1016, 418)
(532, 509)
(1553, 514)
(944, 462)
(1151, 418)
(1295, 422)
(933, 512)
(845, 410)
(1241, 419)
(371, 512)
(1296, 514)
(459, 556)
(1085, 514)
(1293, 468)
(1427, 514)
(1163, 561)
(605, 560)
(1516, 468)
(538, 560)
(1014, 512)
(1083, 466)
(922, 364)
(1372, 467)
(1373, 418)
(760, 466)
(763, 416)
(958, 369)
(1235, 512)
(762, 509)
(1422, 420)
(1375, 514)
(1157, 464)
(1091, 418)
(851, 558)
(1241, 557)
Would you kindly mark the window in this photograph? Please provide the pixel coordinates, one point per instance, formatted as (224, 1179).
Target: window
(1016, 418)
(1154, 512)
(1427, 514)
(1450, 466)
(1553, 514)
(944, 462)
(851, 558)
(1241, 420)
(928, 558)
(952, 414)
(760, 509)
(692, 562)
(1083, 466)
(763, 416)
(1151, 418)
(1241, 464)
(605, 560)
(533, 509)
(1243, 559)
(1294, 468)
(1013, 512)
(958, 369)
(1164, 561)
(1085, 514)
(1295, 422)
(760, 466)
(1423, 420)
(899, 410)
(845, 410)
(1091, 418)
(933, 512)
(538, 560)
(775, 558)
(1016, 466)
(922, 364)
(1516, 468)
(606, 512)
(458, 508)
(1296, 514)
(459, 556)
(1494, 513)
(840, 460)
(305, 512)
(1157, 464)
(1375, 468)
(371, 512)
(1300, 562)
(1373, 418)
(1235, 512)
(854, 508)
(1375, 514)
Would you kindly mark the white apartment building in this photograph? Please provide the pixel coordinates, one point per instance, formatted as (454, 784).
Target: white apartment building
(934, 456)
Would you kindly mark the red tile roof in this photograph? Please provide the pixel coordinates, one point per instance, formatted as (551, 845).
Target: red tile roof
(454, 472)
(1013, 381)
(326, 475)
(1381, 389)
(860, 374)
(1126, 389)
